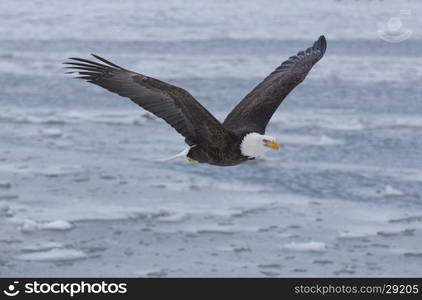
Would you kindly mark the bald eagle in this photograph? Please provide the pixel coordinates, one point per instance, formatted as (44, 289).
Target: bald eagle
(241, 137)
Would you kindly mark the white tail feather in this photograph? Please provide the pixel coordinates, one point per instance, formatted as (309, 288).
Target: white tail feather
(184, 153)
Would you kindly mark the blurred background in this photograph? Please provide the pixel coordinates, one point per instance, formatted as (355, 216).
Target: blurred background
(82, 193)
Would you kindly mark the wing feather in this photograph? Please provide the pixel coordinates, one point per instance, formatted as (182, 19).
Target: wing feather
(173, 104)
(255, 111)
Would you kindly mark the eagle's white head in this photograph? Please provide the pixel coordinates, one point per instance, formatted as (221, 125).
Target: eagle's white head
(255, 145)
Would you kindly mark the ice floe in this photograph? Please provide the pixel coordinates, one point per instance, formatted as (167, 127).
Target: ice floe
(41, 247)
(28, 226)
(305, 246)
(388, 191)
(59, 225)
(51, 132)
(53, 255)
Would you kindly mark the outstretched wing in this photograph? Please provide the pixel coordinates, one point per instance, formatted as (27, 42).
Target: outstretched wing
(255, 111)
(173, 104)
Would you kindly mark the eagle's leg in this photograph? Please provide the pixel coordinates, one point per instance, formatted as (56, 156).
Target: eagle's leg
(191, 160)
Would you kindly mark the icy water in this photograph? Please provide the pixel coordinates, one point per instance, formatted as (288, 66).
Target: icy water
(82, 193)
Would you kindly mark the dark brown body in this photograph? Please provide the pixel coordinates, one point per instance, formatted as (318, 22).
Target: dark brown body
(226, 156)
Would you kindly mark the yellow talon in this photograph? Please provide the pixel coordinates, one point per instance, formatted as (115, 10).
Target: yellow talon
(191, 160)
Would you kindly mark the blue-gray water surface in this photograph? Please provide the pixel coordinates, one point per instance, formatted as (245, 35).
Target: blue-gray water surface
(82, 192)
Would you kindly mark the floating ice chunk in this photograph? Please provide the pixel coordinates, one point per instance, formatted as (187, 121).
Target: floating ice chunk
(57, 225)
(173, 218)
(56, 171)
(351, 235)
(53, 255)
(305, 247)
(42, 247)
(51, 132)
(28, 226)
(389, 191)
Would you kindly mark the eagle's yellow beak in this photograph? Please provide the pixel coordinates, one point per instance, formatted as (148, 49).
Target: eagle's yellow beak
(273, 145)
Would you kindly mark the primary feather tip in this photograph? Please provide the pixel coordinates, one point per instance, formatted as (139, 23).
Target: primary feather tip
(321, 44)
